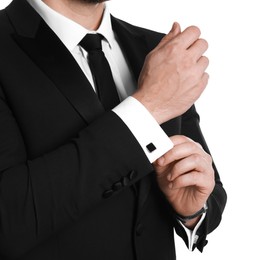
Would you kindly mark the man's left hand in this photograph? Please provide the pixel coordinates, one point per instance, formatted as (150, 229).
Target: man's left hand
(185, 175)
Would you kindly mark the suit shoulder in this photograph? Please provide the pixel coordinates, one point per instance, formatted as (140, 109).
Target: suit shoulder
(5, 26)
(152, 37)
(143, 31)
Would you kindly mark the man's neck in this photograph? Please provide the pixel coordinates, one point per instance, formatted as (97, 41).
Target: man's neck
(87, 15)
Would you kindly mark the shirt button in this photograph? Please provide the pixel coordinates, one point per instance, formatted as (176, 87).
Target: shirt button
(195, 239)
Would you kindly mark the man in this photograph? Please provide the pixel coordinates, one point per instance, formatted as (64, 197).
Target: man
(82, 181)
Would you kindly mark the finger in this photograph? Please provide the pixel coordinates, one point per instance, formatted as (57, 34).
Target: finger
(204, 183)
(198, 48)
(188, 36)
(179, 139)
(203, 82)
(185, 180)
(203, 76)
(162, 172)
(171, 35)
(203, 63)
(194, 162)
(159, 170)
(183, 147)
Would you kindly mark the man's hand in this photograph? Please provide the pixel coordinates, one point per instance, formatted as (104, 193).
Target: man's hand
(185, 175)
(173, 76)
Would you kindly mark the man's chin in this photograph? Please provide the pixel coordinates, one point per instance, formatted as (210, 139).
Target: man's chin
(93, 1)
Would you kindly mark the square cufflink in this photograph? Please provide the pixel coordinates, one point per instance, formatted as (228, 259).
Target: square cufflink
(151, 148)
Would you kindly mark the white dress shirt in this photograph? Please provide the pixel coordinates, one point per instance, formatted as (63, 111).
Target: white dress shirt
(137, 118)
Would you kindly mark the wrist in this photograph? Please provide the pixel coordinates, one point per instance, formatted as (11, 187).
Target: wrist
(192, 219)
(190, 224)
(151, 106)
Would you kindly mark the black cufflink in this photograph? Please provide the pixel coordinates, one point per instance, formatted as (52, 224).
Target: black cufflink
(151, 148)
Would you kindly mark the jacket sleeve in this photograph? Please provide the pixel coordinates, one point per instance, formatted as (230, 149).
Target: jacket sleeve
(41, 196)
(216, 202)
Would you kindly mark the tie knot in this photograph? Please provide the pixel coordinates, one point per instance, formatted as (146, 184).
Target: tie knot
(91, 42)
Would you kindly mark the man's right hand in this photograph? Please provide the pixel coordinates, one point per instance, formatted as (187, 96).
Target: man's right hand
(173, 76)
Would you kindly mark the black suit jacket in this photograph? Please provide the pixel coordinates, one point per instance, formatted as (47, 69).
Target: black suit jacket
(68, 168)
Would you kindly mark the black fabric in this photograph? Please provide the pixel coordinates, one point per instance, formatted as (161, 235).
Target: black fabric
(101, 71)
(60, 152)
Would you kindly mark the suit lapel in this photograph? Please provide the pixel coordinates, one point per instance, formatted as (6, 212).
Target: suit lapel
(133, 45)
(47, 51)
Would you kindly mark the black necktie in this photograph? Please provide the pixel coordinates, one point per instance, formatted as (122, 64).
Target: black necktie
(101, 71)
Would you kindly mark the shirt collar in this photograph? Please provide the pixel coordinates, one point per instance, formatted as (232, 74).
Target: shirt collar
(70, 32)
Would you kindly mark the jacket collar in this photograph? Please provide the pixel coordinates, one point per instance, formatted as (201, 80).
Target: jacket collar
(73, 32)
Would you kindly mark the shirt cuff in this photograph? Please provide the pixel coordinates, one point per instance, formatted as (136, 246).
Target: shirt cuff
(192, 236)
(144, 127)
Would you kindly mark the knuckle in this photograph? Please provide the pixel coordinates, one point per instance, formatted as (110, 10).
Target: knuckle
(175, 169)
(172, 49)
(188, 66)
(178, 139)
(197, 158)
(184, 138)
(203, 83)
(189, 61)
(174, 153)
(211, 179)
(150, 55)
(194, 177)
(209, 158)
(199, 145)
(192, 146)
(194, 79)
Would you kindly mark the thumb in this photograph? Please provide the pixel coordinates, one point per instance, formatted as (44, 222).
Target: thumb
(176, 30)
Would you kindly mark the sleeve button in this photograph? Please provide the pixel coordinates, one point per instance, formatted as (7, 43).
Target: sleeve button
(132, 175)
(107, 194)
(117, 186)
(125, 181)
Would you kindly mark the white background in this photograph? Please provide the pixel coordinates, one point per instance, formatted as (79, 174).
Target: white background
(227, 107)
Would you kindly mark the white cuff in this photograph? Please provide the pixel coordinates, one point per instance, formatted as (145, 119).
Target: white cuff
(192, 236)
(144, 127)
